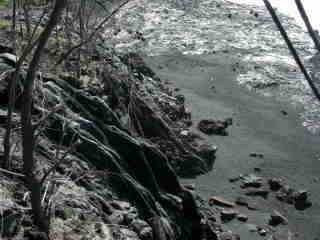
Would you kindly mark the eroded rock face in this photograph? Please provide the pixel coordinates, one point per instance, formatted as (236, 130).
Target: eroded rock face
(144, 169)
(118, 175)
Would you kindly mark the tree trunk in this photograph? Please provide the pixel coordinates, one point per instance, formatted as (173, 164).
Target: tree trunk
(26, 8)
(14, 23)
(6, 143)
(82, 34)
(29, 162)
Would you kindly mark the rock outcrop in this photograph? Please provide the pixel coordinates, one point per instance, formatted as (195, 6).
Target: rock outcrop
(109, 130)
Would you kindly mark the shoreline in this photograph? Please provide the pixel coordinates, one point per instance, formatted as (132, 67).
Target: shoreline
(289, 150)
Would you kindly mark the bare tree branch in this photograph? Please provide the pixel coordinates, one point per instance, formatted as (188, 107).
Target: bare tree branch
(92, 35)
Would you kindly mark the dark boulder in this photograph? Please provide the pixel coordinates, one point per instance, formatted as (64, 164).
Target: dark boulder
(277, 218)
(275, 184)
(217, 127)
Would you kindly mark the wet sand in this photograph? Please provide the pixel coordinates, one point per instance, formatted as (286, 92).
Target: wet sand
(289, 150)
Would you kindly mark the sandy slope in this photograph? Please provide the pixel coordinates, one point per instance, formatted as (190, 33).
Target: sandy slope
(259, 126)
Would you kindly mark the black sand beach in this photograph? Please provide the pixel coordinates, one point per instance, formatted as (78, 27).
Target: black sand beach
(260, 125)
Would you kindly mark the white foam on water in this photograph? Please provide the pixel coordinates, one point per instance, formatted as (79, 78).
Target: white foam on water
(288, 7)
(220, 25)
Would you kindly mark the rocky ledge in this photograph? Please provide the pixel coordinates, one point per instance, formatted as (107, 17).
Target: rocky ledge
(124, 137)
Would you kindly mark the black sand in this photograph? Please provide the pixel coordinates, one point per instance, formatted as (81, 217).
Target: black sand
(289, 150)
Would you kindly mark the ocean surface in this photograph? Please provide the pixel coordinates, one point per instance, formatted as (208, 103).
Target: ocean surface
(288, 7)
(218, 26)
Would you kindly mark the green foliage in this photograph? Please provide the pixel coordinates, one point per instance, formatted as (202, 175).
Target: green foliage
(4, 3)
(4, 23)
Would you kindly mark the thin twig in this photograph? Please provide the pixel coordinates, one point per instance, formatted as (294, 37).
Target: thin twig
(59, 161)
(92, 35)
(46, 117)
(11, 173)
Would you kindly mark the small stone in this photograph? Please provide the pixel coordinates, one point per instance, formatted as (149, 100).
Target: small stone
(253, 206)
(285, 194)
(142, 228)
(301, 195)
(228, 215)
(251, 180)
(116, 217)
(217, 127)
(120, 205)
(235, 179)
(228, 236)
(146, 234)
(180, 99)
(262, 232)
(220, 202)
(187, 113)
(184, 133)
(98, 227)
(242, 217)
(190, 186)
(256, 155)
(277, 218)
(242, 201)
(187, 122)
(301, 201)
(257, 169)
(130, 217)
(275, 184)
(208, 152)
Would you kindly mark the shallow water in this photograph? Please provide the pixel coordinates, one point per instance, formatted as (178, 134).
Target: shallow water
(288, 7)
(213, 26)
